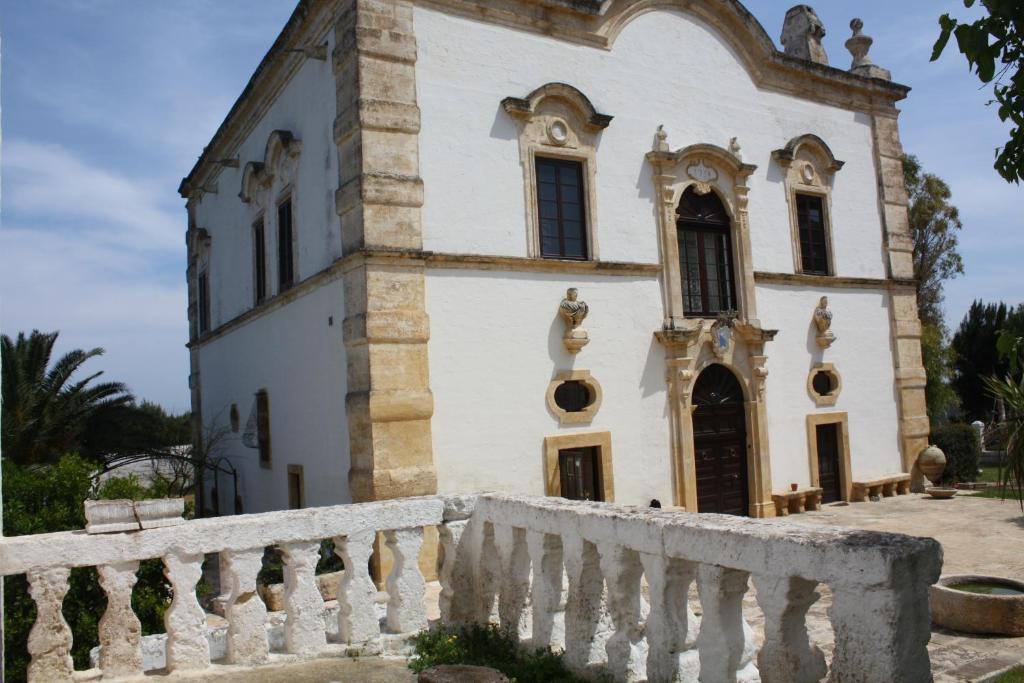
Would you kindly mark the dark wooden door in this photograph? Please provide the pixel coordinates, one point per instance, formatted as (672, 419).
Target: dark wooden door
(828, 463)
(720, 443)
(580, 473)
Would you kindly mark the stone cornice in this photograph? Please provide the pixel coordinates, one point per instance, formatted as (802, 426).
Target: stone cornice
(828, 281)
(590, 22)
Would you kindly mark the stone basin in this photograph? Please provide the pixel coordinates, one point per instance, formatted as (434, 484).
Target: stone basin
(940, 492)
(972, 612)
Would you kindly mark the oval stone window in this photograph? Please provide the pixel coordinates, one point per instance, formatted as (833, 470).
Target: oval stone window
(823, 383)
(572, 396)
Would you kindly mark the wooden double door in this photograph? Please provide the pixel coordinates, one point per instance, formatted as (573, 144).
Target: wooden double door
(720, 443)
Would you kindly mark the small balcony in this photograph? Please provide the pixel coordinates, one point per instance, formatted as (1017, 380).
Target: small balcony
(609, 584)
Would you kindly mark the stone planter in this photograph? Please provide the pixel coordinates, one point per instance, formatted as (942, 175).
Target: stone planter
(160, 512)
(110, 516)
(974, 612)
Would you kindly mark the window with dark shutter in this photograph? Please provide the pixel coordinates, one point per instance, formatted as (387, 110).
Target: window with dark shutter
(263, 426)
(204, 302)
(259, 265)
(810, 214)
(560, 209)
(285, 255)
(705, 254)
(580, 474)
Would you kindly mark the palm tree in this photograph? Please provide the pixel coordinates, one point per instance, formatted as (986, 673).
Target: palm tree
(44, 411)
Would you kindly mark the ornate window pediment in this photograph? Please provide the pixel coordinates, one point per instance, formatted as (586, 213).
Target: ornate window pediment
(278, 162)
(557, 121)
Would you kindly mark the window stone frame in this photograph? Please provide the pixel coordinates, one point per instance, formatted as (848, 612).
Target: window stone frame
(830, 399)
(557, 121)
(809, 168)
(600, 440)
(584, 416)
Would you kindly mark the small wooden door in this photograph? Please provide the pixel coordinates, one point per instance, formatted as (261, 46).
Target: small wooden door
(720, 443)
(828, 462)
(580, 473)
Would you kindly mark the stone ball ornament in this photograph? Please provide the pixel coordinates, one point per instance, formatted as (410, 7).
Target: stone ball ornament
(573, 312)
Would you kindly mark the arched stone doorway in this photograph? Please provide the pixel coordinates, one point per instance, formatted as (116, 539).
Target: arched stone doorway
(720, 442)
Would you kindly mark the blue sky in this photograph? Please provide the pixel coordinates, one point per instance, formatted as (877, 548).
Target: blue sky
(107, 103)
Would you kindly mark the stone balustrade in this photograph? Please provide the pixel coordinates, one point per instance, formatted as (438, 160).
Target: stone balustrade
(609, 584)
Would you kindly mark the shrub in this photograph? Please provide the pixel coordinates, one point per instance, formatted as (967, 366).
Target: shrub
(960, 444)
(490, 646)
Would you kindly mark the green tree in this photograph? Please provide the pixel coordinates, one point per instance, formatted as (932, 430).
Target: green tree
(134, 428)
(45, 410)
(939, 362)
(977, 356)
(934, 224)
(994, 48)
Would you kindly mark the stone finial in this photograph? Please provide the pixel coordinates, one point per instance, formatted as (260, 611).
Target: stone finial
(802, 32)
(858, 45)
(573, 311)
(661, 140)
(734, 147)
(823, 321)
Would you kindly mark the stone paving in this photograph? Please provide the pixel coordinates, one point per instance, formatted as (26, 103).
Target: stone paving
(978, 536)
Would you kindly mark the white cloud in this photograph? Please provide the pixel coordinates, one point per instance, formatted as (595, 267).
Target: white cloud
(48, 182)
(99, 295)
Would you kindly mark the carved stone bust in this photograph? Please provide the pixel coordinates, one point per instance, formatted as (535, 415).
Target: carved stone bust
(823, 321)
(573, 311)
(802, 32)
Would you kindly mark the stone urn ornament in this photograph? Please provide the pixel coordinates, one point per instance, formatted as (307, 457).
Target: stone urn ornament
(573, 311)
(932, 462)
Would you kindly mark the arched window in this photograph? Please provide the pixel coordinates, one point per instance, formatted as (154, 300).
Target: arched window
(705, 254)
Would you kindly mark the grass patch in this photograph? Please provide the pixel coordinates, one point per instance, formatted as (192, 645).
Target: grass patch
(998, 492)
(1014, 675)
(493, 647)
(988, 474)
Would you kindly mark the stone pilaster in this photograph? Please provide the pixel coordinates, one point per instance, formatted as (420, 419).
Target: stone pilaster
(389, 404)
(904, 323)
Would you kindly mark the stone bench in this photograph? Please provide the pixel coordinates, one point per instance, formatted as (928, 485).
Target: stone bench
(797, 501)
(889, 486)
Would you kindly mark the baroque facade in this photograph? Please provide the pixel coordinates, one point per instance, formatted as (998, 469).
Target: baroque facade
(623, 250)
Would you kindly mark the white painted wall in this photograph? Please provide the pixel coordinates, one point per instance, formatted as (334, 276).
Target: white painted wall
(665, 68)
(299, 358)
(305, 107)
(496, 344)
(862, 355)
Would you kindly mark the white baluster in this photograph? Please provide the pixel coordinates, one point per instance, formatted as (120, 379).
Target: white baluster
(513, 613)
(187, 646)
(627, 652)
(49, 641)
(881, 634)
(458, 590)
(583, 606)
(120, 631)
(405, 585)
(357, 618)
(787, 654)
(488, 578)
(304, 630)
(671, 627)
(245, 611)
(723, 640)
(548, 619)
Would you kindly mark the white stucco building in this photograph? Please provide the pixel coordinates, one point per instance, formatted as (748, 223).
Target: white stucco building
(382, 231)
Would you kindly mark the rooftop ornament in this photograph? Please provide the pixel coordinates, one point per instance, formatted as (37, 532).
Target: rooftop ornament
(858, 45)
